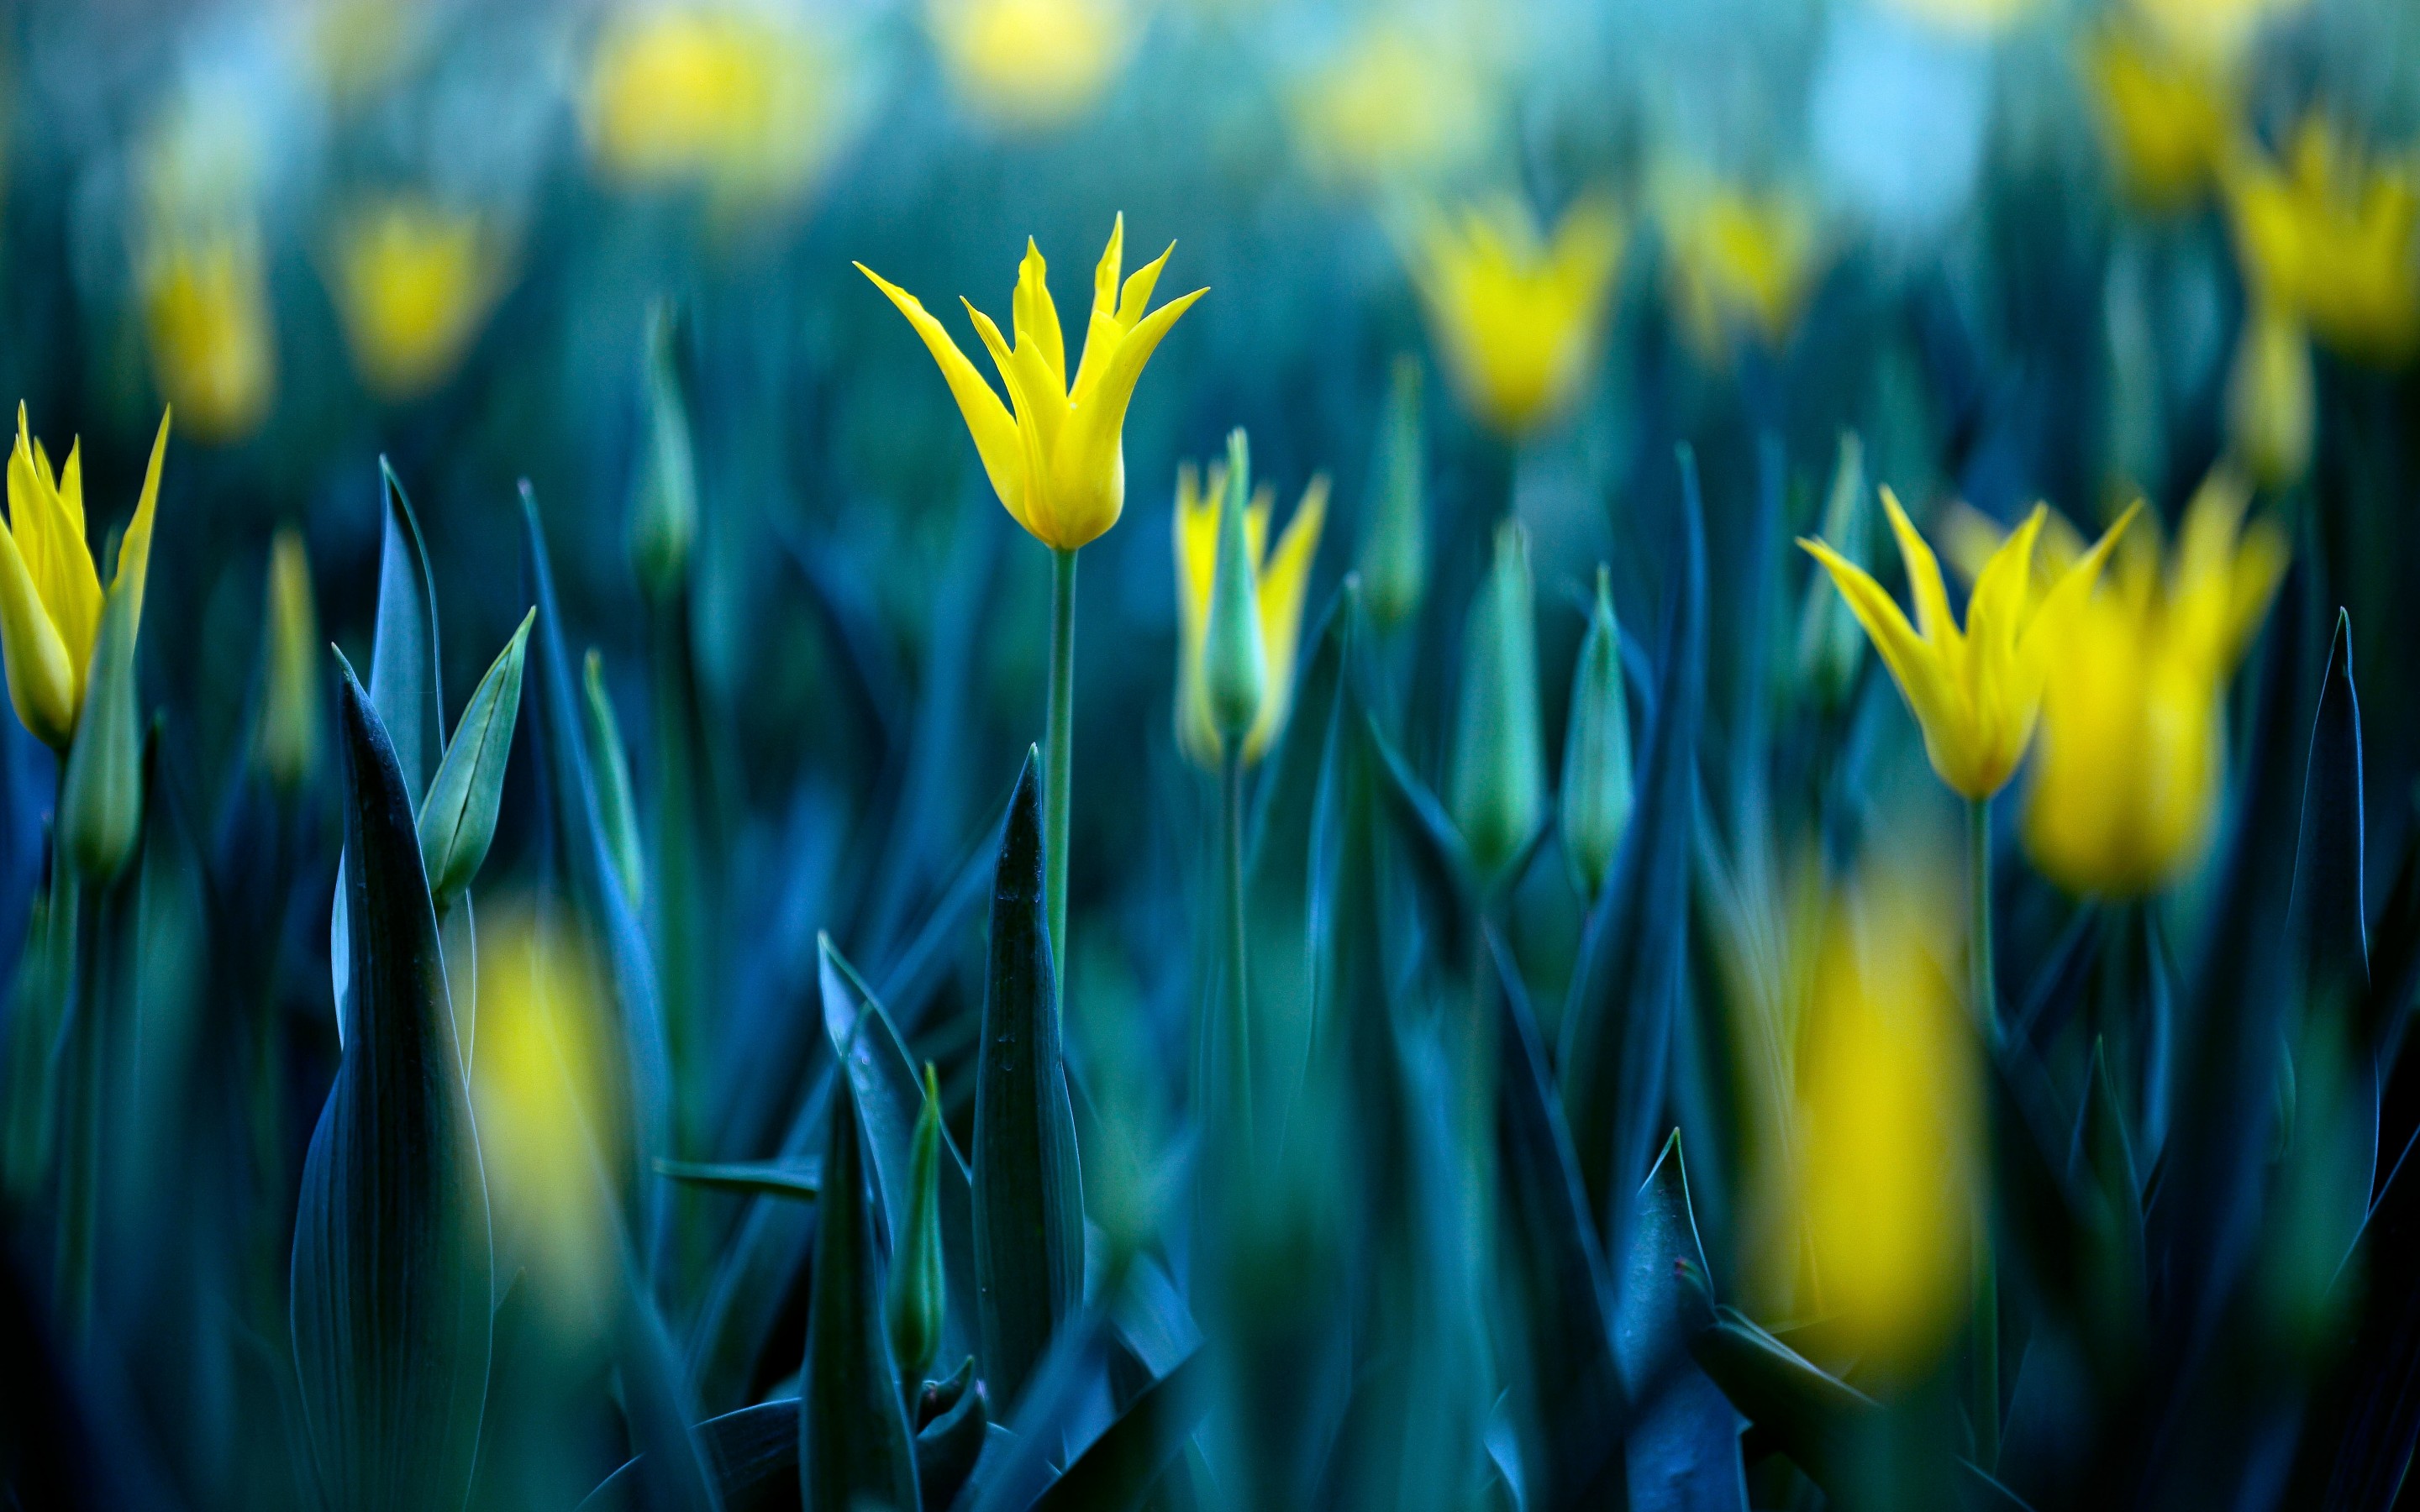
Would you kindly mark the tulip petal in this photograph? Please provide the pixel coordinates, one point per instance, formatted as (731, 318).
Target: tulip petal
(1031, 312)
(987, 419)
(1914, 664)
(1285, 579)
(1101, 413)
(1933, 618)
(1105, 277)
(1034, 513)
(2076, 582)
(42, 680)
(134, 550)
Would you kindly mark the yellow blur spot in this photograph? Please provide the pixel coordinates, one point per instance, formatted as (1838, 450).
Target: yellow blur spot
(2166, 117)
(286, 740)
(1740, 262)
(1519, 316)
(1394, 104)
(721, 97)
(213, 349)
(413, 282)
(2333, 236)
(1031, 63)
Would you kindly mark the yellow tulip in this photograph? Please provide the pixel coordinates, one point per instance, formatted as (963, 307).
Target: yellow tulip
(1976, 693)
(2272, 396)
(1889, 1158)
(719, 96)
(1281, 577)
(1739, 261)
(1392, 104)
(1520, 318)
(2166, 117)
(50, 589)
(414, 281)
(214, 352)
(1058, 463)
(1031, 63)
(2334, 238)
(2125, 789)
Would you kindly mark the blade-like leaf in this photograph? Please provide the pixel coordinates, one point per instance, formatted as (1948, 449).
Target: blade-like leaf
(749, 1178)
(1117, 1469)
(458, 820)
(1028, 1213)
(1683, 1452)
(853, 1443)
(404, 660)
(392, 1269)
(1627, 987)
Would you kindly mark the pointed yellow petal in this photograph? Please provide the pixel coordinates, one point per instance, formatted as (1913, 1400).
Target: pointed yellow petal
(1105, 277)
(1032, 314)
(1915, 665)
(1933, 618)
(71, 488)
(41, 681)
(987, 419)
(2076, 584)
(134, 550)
(1111, 323)
(1100, 412)
(1135, 297)
(1285, 579)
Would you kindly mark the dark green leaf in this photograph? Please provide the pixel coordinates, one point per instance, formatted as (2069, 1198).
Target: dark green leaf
(457, 820)
(751, 1177)
(853, 1442)
(391, 1271)
(1028, 1214)
(1117, 1469)
(404, 660)
(2329, 921)
(1684, 1450)
(753, 1456)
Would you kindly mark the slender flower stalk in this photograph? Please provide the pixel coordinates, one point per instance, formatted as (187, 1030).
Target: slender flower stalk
(1982, 994)
(1234, 684)
(1059, 752)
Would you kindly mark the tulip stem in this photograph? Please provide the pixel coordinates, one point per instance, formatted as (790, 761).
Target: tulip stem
(1058, 754)
(1239, 1004)
(1986, 1400)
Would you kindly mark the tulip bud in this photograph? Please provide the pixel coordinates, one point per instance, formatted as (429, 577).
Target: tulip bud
(612, 769)
(285, 741)
(100, 802)
(664, 516)
(1394, 552)
(1596, 750)
(1499, 769)
(1234, 664)
(2269, 398)
(916, 1302)
(1830, 644)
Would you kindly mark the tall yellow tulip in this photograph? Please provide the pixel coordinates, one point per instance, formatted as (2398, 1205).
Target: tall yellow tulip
(1057, 461)
(50, 589)
(2333, 238)
(1520, 318)
(1281, 577)
(2124, 791)
(1976, 693)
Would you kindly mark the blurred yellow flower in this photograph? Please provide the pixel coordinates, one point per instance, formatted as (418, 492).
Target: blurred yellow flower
(1031, 63)
(1058, 463)
(49, 587)
(414, 281)
(725, 97)
(1739, 261)
(2126, 783)
(287, 734)
(1519, 317)
(2331, 237)
(2165, 118)
(1392, 104)
(2212, 29)
(1976, 693)
(213, 351)
(2271, 402)
(540, 1089)
(1281, 577)
(1889, 1165)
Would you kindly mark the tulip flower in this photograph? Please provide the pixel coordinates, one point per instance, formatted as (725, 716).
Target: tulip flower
(2126, 786)
(723, 97)
(2334, 238)
(286, 739)
(205, 309)
(413, 282)
(1278, 580)
(2166, 117)
(1520, 318)
(1031, 63)
(1976, 692)
(50, 589)
(1740, 261)
(1056, 460)
(1394, 103)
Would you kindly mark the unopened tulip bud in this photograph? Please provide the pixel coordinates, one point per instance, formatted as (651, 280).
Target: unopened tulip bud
(1597, 793)
(1234, 663)
(285, 743)
(1394, 552)
(1499, 769)
(664, 516)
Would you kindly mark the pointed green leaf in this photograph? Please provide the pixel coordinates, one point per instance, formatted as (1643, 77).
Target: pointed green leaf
(801, 1179)
(853, 1446)
(404, 662)
(1684, 1454)
(1028, 1213)
(613, 765)
(458, 819)
(392, 1269)
(1117, 1471)
(100, 801)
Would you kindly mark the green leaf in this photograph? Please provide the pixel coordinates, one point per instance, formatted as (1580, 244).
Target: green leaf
(404, 683)
(801, 1179)
(1117, 1471)
(1820, 1422)
(457, 820)
(1626, 989)
(613, 766)
(392, 1269)
(100, 800)
(853, 1446)
(889, 1102)
(1684, 1454)
(1028, 1213)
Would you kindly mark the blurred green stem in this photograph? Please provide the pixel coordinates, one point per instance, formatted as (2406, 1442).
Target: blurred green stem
(1986, 1400)
(79, 1077)
(1057, 753)
(1239, 999)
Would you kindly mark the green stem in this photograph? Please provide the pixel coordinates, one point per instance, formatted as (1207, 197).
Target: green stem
(1239, 1001)
(80, 1051)
(1986, 1400)
(1058, 755)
